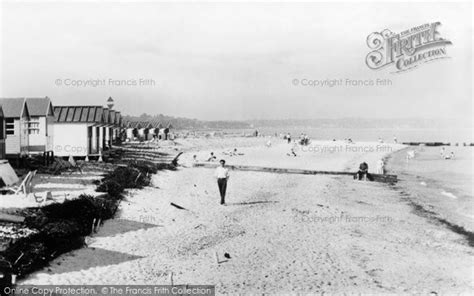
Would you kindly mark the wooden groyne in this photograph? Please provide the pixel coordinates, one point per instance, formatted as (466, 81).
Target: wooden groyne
(391, 179)
(436, 144)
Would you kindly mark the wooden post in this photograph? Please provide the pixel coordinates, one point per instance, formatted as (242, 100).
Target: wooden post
(93, 223)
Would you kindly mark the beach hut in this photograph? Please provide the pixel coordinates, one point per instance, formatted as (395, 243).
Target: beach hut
(155, 129)
(109, 117)
(78, 130)
(144, 131)
(167, 130)
(2, 134)
(118, 127)
(16, 117)
(110, 137)
(131, 130)
(40, 125)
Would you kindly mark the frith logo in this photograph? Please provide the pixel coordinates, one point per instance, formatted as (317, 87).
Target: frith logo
(407, 49)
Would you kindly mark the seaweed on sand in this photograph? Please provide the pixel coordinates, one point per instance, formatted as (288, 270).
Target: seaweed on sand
(61, 228)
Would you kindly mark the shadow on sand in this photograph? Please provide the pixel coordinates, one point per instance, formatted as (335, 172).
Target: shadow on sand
(118, 226)
(247, 203)
(86, 258)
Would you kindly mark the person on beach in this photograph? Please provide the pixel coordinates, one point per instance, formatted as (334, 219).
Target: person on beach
(363, 173)
(292, 150)
(449, 156)
(288, 138)
(212, 157)
(380, 167)
(442, 151)
(222, 176)
(410, 155)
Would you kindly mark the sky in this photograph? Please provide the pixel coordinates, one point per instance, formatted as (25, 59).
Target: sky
(233, 61)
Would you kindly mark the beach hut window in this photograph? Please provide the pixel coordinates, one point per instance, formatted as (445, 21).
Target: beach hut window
(33, 126)
(10, 126)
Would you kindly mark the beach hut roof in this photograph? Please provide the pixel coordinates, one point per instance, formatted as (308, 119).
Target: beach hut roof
(156, 124)
(14, 107)
(79, 114)
(112, 116)
(106, 115)
(118, 118)
(146, 124)
(40, 106)
(134, 124)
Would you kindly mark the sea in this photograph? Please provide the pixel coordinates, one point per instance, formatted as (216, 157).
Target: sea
(445, 135)
(441, 186)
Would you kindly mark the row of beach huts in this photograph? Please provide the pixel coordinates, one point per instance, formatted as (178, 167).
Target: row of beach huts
(35, 126)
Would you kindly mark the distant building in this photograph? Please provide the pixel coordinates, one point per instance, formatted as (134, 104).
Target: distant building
(40, 125)
(15, 112)
(2, 134)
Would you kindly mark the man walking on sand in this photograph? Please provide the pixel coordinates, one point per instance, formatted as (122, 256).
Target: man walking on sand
(222, 175)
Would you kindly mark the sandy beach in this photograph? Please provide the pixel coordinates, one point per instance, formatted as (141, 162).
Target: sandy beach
(284, 233)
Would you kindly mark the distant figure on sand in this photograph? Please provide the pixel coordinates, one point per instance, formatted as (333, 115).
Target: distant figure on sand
(292, 152)
(410, 154)
(363, 173)
(212, 157)
(222, 175)
(442, 151)
(380, 167)
(195, 158)
(268, 144)
(395, 140)
(450, 156)
(233, 152)
(288, 138)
